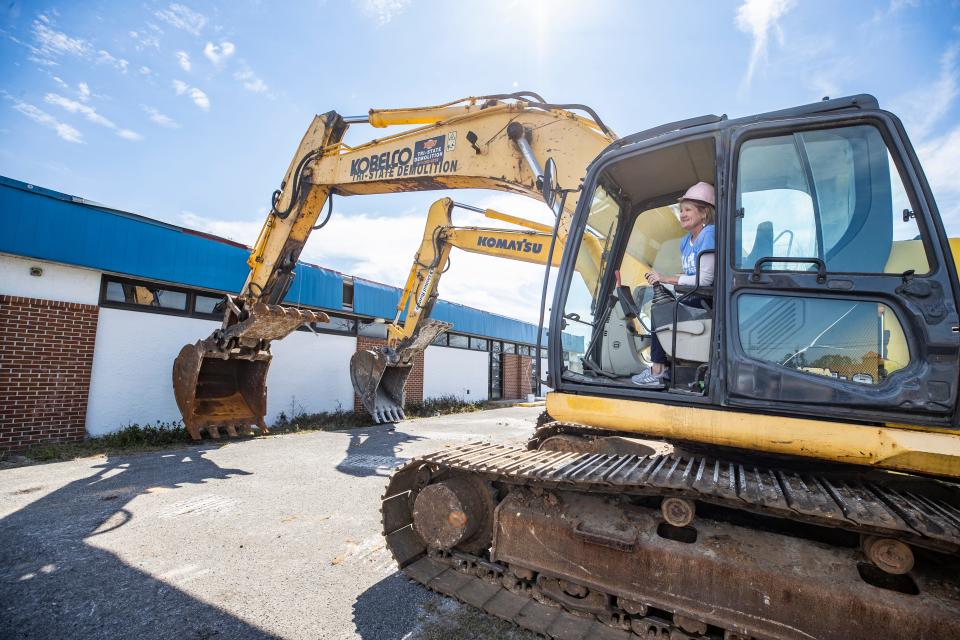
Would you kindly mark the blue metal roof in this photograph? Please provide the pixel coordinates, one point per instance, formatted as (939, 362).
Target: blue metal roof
(44, 224)
(48, 225)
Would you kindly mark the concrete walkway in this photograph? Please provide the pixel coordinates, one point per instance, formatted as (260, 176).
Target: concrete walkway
(264, 538)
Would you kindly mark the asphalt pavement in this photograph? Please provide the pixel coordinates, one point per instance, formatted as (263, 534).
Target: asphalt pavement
(274, 537)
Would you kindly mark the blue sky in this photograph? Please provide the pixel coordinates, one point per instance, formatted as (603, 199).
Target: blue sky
(189, 112)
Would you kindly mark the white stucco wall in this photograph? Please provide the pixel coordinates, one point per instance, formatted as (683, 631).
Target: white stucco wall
(454, 372)
(58, 282)
(133, 358)
(132, 364)
(310, 371)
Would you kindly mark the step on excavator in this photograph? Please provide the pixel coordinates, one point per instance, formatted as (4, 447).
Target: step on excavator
(797, 476)
(489, 142)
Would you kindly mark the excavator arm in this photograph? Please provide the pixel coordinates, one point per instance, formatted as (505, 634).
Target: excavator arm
(379, 375)
(491, 142)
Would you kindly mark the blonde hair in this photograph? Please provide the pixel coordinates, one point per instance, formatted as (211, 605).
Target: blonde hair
(706, 210)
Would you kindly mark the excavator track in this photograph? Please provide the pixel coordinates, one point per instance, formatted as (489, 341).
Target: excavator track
(521, 576)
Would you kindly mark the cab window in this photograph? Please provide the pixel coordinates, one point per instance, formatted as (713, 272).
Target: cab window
(835, 195)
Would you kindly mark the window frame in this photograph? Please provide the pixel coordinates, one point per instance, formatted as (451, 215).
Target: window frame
(764, 130)
(905, 371)
(187, 312)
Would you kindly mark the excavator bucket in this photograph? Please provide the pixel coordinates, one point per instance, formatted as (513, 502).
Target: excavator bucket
(221, 382)
(214, 392)
(380, 375)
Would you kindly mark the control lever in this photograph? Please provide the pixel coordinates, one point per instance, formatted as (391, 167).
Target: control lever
(629, 306)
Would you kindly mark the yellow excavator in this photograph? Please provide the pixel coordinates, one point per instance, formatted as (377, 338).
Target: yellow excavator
(797, 475)
(379, 375)
(489, 142)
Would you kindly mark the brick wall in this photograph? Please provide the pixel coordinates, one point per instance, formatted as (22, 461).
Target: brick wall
(414, 385)
(517, 371)
(46, 355)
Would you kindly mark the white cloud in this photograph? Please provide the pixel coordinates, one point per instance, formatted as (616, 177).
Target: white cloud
(145, 70)
(60, 82)
(758, 18)
(925, 106)
(219, 54)
(183, 59)
(76, 107)
(63, 130)
(183, 17)
(84, 90)
(251, 82)
(104, 57)
(158, 118)
(199, 97)
(145, 40)
(126, 134)
(50, 42)
(382, 11)
(90, 114)
(390, 241)
(940, 158)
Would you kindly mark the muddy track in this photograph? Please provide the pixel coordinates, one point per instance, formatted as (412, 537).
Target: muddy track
(923, 513)
(494, 588)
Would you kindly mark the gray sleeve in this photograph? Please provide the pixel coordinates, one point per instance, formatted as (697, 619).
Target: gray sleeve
(707, 263)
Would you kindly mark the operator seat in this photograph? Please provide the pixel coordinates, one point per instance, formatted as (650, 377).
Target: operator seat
(694, 329)
(762, 244)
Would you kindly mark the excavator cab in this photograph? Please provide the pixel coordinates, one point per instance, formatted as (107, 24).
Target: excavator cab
(796, 477)
(835, 287)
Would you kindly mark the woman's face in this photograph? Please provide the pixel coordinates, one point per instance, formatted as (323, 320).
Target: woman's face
(690, 216)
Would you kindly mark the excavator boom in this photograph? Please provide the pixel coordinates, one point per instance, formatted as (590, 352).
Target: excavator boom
(491, 142)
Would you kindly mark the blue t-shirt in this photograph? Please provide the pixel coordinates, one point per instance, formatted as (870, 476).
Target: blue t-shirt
(706, 239)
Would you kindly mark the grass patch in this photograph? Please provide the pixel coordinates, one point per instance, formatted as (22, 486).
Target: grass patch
(163, 435)
(132, 438)
(341, 419)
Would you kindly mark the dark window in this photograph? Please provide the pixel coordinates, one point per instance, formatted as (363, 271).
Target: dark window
(348, 294)
(373, 329)
(336, 324)
(440, 340)
(478, 344)
(206, 305)
(461, 342)
(496, 373)
(509, 347)
(146, 295)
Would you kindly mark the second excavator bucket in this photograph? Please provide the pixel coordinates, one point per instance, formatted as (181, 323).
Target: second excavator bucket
(380, 375)
(221, 382)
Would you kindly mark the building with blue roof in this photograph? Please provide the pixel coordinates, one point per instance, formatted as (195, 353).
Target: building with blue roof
(112, 296)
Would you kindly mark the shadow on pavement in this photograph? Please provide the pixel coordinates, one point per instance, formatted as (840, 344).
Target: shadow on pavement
(55, 583)
(373, 451)
(391, 609)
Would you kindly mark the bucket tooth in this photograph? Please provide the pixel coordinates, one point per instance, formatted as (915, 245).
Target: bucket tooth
(379, 376)
(215, 386)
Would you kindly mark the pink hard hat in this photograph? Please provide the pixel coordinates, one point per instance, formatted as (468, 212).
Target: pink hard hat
(701, 192)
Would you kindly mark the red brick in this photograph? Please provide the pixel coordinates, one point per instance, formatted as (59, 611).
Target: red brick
(44, 369)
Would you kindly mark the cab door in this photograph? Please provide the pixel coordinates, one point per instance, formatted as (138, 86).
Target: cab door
(841, 283)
